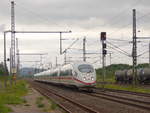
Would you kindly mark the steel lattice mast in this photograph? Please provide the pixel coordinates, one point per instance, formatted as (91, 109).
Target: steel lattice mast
(134, 54)
(13, 64)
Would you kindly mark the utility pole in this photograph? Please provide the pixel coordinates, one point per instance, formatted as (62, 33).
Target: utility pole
(18, 57)
(10, 62)
(5, 65)
(56, 61)
(149, 54)
(65, 51)
(65, 57)
(84, 49)
(5, 58)
(41, 64)
(60, 43)
(110, 58)
(13, 64)
(62, 39)
(134, 52)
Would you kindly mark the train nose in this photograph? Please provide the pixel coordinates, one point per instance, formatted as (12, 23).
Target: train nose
(88, 77)
(88, 74)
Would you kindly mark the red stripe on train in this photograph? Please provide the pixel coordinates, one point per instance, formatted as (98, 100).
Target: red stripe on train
(84, 82)
(70, 78)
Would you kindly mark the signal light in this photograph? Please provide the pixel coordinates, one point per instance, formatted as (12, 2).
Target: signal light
(103, 39)
(103, 35)
(104, 45)
(104, 52)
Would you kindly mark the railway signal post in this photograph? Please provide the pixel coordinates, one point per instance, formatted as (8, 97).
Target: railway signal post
(104, 52)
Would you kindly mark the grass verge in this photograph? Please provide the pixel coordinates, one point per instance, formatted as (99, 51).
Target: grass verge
(126, 87)
(11, 94)
(51, 107)
(39, 102)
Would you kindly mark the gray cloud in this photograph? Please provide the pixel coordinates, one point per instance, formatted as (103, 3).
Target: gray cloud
(79, 13)
(84, 17)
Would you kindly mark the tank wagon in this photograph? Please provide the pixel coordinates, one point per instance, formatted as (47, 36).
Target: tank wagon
(126, 76)
(81, 75)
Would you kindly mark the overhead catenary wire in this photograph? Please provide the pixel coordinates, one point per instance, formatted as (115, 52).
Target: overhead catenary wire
(125, 26)
(42, 19)
(143, 53)
(119, 48)
(95, 62)
(70, 45)
(119, 51)
(122, 13)
(120, 41)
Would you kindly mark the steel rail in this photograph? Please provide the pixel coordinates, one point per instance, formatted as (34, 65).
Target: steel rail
(125, 92)
(90, 110)
(46, 94)
(142, 105)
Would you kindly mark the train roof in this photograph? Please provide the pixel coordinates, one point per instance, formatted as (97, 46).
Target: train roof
(78, 63)
(74, 64)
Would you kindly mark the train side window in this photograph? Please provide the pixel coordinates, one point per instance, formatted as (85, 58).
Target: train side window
(65, 72)
(55, 74)
(62, 73)
(70, 72)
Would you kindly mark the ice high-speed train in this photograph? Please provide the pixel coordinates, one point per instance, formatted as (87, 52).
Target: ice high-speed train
(81, 75)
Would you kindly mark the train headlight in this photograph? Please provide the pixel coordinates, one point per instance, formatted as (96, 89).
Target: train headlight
(84, 78)
(92, 78)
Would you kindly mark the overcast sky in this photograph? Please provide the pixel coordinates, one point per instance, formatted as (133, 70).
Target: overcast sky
(84, 18)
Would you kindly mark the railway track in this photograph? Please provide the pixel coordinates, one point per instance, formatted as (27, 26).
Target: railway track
(123, 100)
(73, 105)
(67, 104)
(124, 92)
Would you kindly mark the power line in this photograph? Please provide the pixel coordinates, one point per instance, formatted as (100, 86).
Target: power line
(70, 46)
(124, 26)
(76, 49)
(143, 53)
(120, 28)
(46, 20)
(119, 49)
(122, 13)
(120, 40)
(95, 62)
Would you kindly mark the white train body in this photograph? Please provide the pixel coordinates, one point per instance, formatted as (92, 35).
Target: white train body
(78, 74)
